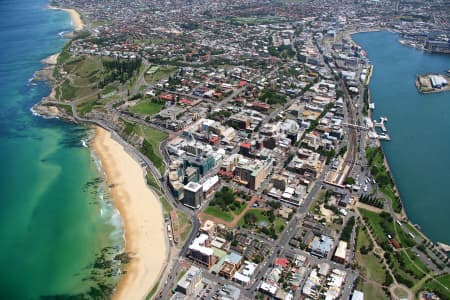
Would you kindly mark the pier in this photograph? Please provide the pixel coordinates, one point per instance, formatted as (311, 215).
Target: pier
(381, 124)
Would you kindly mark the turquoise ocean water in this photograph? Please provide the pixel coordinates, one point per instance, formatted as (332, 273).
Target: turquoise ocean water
(57, 230)
(419, 125)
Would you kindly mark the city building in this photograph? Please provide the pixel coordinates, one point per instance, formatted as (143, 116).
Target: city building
(193, 195)
(200, 252)
(341, 252)
(190, 281)
(252, 173)
(320, 246)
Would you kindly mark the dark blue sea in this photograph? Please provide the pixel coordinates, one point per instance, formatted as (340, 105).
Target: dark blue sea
(57, 227)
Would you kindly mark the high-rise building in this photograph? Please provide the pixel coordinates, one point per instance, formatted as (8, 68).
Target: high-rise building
(193, 195)
(190, 281)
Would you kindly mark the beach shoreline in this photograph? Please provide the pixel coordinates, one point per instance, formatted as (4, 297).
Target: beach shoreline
(141, 214)
(74, 15)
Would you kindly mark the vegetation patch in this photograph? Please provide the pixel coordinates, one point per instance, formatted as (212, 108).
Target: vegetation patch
(372, 291)
(146, 107)
(417, 261)
(264, 221)
(363, 242)
(439, 286)
(380, 224)
(373, 268)
(372, 201)
(218, 213)
(225, 201)
(375, 157)
(156, 73)
(86, 106)
(68, 92)
(347, 231)
(152, 140)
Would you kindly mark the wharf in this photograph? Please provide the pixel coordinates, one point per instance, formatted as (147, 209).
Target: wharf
(433, 83)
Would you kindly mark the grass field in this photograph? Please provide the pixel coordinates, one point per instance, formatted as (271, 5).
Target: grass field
(403, 238)
(146, 107)
(87, 67)
(279, 225)
(161, 73)
(372, 291)
(241, 208)
(218, 213)
(86, 106)
(262, 219)
(403, 269)
(68, 92)
(373, 268)
(259, 217)
(417, 260)
(407, 265)
(441, 288)
(153, 137)
(375, 221)
(186, 224)
(362, 240)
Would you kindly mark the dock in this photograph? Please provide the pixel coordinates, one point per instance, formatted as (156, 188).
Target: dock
(381, 124)
(380, 136)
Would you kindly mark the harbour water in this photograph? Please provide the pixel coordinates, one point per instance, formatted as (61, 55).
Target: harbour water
(58, 230)
(419, 125)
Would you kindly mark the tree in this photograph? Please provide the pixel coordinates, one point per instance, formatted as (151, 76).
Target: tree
(349, 180)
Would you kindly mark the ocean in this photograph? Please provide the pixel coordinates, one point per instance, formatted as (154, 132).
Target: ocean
(419, 125)
(58, 230)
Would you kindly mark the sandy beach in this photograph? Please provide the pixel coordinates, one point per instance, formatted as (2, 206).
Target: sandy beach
(74, 15)
(142, 216)
(51, 60)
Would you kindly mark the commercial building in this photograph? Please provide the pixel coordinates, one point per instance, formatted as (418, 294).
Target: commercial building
(202, 163)
(306, 163)
(210, 185)
(200, 252)
(340, 253)
(193, 195)
(321, 246)
(190, 281)
(252, 173)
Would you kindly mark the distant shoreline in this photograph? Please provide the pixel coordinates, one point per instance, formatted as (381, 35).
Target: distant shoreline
(74, 15)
